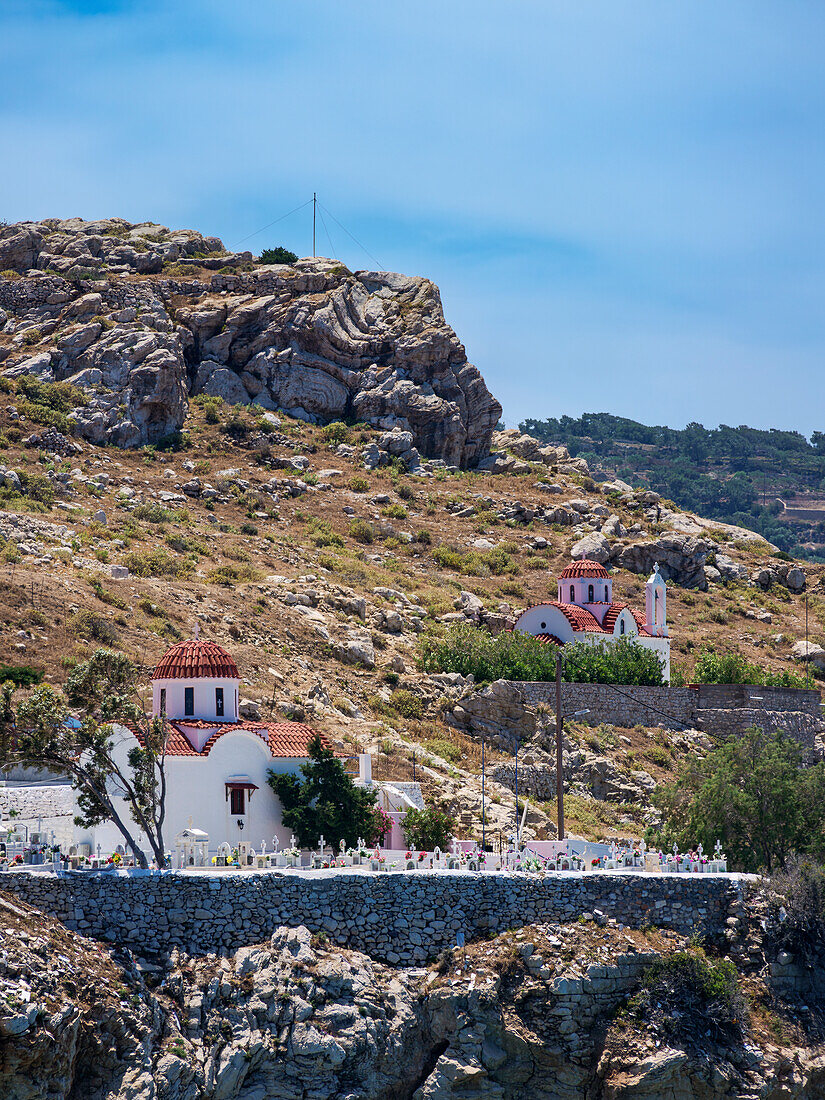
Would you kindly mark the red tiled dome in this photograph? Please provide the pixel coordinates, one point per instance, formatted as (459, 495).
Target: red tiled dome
(584, 568)
(195, 659)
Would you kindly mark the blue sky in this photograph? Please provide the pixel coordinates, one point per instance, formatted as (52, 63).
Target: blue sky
(621, 203)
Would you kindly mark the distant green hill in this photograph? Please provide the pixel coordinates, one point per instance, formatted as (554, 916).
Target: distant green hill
(739, 475)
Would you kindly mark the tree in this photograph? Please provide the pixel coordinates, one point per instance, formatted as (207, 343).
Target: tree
(326, 802)
(46, 735)
(754, 794)
(428, 829)
(278, 255)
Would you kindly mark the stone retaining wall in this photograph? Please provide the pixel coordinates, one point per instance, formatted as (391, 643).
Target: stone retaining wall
(402, 918)
(505, 711)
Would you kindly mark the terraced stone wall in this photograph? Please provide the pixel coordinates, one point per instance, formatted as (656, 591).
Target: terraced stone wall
(401, 918)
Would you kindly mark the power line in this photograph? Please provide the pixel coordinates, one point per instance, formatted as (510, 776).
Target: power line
(324, 224)
(352, 238)
(289, 214)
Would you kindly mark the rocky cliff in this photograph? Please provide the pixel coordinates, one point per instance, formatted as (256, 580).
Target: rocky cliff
(140, 318)
(554, 1012)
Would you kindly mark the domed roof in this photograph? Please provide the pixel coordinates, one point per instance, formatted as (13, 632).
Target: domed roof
(584, 568)
(196, 659)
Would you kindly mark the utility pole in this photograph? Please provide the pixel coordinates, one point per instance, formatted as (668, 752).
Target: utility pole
(559, 773)
(483, 802)
(314, 204)
(518, 816)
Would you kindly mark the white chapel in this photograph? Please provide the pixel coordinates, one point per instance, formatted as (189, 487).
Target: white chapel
(585, 610)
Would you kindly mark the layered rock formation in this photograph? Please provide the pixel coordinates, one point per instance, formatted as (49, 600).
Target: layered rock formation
(139, 319)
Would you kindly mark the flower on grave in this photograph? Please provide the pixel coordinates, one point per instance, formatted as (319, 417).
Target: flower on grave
(422, 856)
(408, 855)
(596, 862)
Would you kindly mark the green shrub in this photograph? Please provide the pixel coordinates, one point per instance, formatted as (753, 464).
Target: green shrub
(359, 484)
(152, 512)
(732, 668)
(407, 703)
(96, 628)
(321, 534)
(511, 655)
(60, 396)
(36, 486)
(445, 749)
(476, 563)
(428, 828)
(689, 996)
(249, 529)
(277, 255)
(336, 433)
(362, 531)
(234, 574)
(157, 562)
(20, 675)
(394, 511)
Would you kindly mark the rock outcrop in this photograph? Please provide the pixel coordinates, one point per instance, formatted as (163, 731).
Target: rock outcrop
(138, 317)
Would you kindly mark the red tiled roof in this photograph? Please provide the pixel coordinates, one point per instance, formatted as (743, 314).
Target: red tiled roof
(611, 615)
(195, 658)
(551, 639)
(578, 617)
(584, 568)
(285, 740)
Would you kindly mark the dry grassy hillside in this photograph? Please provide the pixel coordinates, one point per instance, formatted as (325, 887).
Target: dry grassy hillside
(320, 576)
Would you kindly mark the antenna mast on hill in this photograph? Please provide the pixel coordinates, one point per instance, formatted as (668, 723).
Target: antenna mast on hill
(314, 204)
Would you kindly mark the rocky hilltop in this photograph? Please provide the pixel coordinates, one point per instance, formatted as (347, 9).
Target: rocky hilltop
(141, 318)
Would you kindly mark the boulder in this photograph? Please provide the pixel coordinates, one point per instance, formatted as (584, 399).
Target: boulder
(681, 558)
(218, 381)
(248, 708)
(19, 248)
(808, 651)
(731, 570)
(595, 547)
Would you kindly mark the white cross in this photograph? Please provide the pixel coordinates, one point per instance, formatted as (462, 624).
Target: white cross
(293, 842)
(699, 851)
(675, 847)
(321, 843)
(361, 843)
(275, 845)
(718, 849)
(263, 847)
(342, 845)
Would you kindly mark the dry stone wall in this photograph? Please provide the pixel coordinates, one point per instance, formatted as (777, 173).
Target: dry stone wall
(505, 712)
(403, 919)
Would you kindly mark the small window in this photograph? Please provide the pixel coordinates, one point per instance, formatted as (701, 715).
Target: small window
(219, 702)
(591, 595)
(237, 802)
(163, 700)
(572, 594)
(189, 702)
(605, 593)
(543, 626)
(621, 627)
